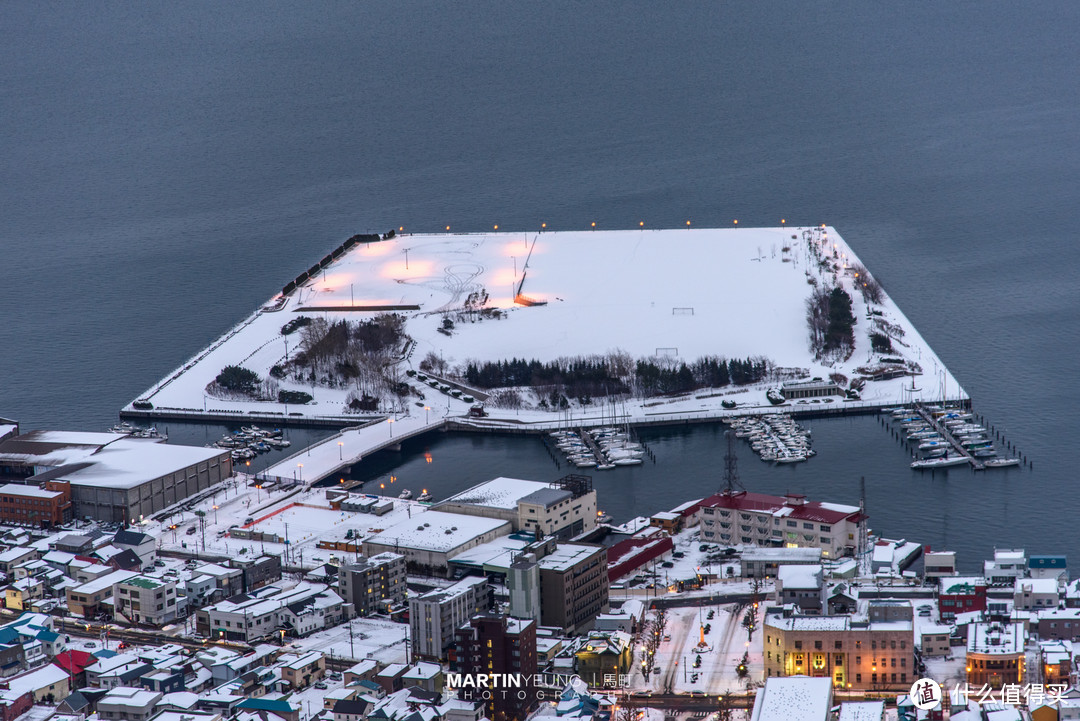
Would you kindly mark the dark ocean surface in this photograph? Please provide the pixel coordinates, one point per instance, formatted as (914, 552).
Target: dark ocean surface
(166, 168)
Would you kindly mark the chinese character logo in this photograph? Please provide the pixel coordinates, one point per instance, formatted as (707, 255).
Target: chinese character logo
(925, 694)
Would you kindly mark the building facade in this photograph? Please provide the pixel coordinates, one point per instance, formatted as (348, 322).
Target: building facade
(491, 644)
(854, 652)
(995, 654)
(781, 521)
(41, 506)
(373, 584)
(573, 586)
(437, 614)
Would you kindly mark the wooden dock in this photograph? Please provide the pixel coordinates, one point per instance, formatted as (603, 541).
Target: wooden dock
(947, 435)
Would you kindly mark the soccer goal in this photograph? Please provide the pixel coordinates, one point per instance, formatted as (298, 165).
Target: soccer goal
(667, 352)
(682, 311)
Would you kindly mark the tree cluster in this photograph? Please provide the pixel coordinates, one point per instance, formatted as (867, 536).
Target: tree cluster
(831, 323)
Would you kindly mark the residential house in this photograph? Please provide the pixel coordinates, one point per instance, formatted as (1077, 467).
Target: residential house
(127, 703)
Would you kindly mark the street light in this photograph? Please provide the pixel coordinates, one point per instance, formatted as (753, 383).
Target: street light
(301, 467)
(391, 422)
(339, 446)
(426, 409)
(215, 515)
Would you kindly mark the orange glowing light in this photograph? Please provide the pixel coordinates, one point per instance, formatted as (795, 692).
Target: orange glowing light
(448, 227)
(382, 485)
(496, 227)
(642, 224)
(427, 457)
(688, 224)
(736, 221)
(543, 225)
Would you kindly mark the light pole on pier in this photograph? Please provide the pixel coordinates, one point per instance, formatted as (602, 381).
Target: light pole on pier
(391, 422)
(339, 450)
(301, 467)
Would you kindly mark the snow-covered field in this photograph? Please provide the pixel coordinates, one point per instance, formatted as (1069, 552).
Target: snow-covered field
(678, 294)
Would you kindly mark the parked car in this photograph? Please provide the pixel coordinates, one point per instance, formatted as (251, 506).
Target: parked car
(191, 531)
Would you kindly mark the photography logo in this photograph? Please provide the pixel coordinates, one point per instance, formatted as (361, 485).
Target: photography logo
(926, 694)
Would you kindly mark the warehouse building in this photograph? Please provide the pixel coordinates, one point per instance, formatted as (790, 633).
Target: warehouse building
(113, 477)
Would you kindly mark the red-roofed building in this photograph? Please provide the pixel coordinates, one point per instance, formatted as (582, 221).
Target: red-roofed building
(75, 662)
(731, 518)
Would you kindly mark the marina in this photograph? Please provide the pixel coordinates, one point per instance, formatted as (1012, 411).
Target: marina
(947, 436)
(774, 438)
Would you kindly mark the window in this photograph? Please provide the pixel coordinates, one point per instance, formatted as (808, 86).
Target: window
(858, 678)
(792, 524)
(858, 660)
(838, 659)
(838, 645)
(817, 645)
(892, 644)
(826, 529)
(808, 526)
(798, 644)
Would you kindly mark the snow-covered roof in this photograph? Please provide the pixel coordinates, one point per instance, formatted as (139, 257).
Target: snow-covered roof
(799, 577)
(793, 697)
(38, 679)
(103, 582)
(499, 492)
(995, 638)
(1036, 585)
(27, 491)
(567, 555)
(862, 711)
(437, 531)
(104, 459)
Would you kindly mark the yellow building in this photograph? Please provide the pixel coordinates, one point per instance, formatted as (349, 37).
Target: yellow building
(995, 654)
(604, 656)
(853, 651)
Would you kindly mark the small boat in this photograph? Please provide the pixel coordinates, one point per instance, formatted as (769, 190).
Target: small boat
(424, 497)
(931, 445)
(1002, 462)
(936, 452)
(790, 459)
(602, 517)
(984, 453)
(939, 462)
(627, 461)
(405, 495)
(605, 466)
(586, 464)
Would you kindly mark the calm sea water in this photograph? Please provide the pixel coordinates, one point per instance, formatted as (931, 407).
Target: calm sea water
(168, 167)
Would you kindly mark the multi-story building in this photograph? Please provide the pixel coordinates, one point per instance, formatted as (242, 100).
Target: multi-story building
(802, 586)
(939, 563)
(564, 508)
(960, 594)
(995, 654)
(523, 584)
(257, 572)
(87, 599)
(1035, 594)
(573, 586)
(788, 521)
(429, 539)
(854, 651)
(491, 644)
(1062, 624)
(373, 584)
(269, 612)
(437, 614)
(1007, 566)
(145, 600)
(41, 506)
